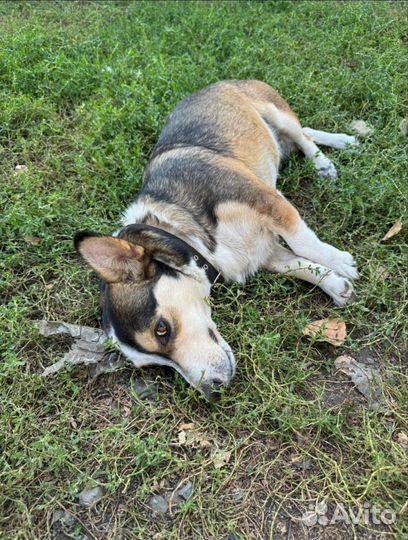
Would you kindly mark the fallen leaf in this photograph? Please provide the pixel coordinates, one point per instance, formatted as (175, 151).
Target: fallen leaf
(300, 462)
(127, 411)
(361, 128)
(188, 426)
(383, 273)
(366, 379)
(395, 229)
(402, 439)
(32, 240)
(87, 348)
(189, 435)
(220, 458)
(204, 442)
(331, 330)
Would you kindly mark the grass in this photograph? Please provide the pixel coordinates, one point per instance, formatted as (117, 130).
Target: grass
(85, 89)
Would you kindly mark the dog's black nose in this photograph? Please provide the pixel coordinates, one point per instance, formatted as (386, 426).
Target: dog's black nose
(212, 389)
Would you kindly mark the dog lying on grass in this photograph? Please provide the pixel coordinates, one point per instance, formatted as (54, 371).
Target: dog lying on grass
(209, 210)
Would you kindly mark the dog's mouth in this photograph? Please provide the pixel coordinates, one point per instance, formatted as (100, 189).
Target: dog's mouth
(212, 383)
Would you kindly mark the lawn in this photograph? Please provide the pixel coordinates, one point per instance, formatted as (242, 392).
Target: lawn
(85, 88)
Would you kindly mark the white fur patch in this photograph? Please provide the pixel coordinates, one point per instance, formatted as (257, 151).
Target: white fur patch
(306, 244)
(334, 140)
(243, 241)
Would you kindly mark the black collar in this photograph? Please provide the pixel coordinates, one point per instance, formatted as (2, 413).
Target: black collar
(213, 275)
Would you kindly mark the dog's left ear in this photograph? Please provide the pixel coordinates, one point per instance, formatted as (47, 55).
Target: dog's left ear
(114, 259)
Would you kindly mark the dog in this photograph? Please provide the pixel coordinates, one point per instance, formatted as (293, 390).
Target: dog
(209, 210)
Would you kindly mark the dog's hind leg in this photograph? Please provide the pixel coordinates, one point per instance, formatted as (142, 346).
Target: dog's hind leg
(288, 125)
(337, 287)
(334, 140)
(288, 128)
(284, 123)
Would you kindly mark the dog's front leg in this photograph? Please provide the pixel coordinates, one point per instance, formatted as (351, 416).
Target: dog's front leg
(305, 243)
(276, 214)
(283, 261)
(286, 221)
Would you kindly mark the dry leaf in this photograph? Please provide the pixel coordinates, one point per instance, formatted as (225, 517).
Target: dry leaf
(383, 273)
(395, 229)
(366, 378)
(32, 240)
(220, 458)
(127, 411)
(192, 438)
(87, 348)
(204, 442)
(188, 426)
(402, 439)
(331, 330)
(361, 128)
(300, 462)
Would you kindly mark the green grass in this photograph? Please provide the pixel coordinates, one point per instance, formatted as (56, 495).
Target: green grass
(85, 89)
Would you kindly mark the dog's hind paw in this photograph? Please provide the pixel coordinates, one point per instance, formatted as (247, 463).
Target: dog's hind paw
(328, 171)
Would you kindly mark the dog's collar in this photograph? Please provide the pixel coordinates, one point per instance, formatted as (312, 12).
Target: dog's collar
(213, 275)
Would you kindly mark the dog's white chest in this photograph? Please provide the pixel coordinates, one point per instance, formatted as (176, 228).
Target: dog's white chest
(243, 242)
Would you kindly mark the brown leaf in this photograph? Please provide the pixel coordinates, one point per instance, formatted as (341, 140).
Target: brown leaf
(127, 411)
(187, 426)
(220, 458)
(402, 439)
(192, 438)
(32, 240)
(331, 330)
(395, 229)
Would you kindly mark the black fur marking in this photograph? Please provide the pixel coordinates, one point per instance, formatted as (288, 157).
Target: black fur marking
(81, 235)
(212, 335)
(135, 313)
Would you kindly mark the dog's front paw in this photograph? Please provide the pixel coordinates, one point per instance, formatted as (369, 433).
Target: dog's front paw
(339, 289)
(343, 263)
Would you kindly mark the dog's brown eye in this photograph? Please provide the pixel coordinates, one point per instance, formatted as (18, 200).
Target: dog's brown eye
(162, 329)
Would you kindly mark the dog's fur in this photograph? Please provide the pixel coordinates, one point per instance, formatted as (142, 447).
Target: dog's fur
(210, 184)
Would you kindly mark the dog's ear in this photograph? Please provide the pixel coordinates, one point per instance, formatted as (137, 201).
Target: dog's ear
(115, 260)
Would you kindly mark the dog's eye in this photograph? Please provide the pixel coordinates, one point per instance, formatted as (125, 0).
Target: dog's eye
(162, 329)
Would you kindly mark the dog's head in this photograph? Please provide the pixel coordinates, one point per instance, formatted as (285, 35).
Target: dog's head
(155, 304)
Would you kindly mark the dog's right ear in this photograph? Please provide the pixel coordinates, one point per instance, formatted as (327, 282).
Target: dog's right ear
(115, 260)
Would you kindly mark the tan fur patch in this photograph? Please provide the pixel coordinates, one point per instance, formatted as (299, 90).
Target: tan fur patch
(259, 92)
(113, 259)
(269, 203)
